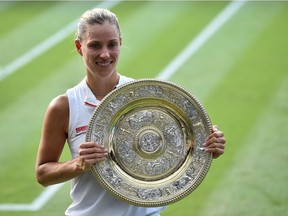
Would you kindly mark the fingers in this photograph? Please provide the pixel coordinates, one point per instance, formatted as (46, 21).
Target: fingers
(215, 142)
(91, 153)
(216, 150)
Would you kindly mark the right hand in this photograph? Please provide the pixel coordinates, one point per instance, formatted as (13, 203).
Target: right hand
(91, 153)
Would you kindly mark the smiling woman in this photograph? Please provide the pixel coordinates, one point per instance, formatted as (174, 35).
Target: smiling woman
(98, 42)
(100, 50)
(99, 46)
(235, 75)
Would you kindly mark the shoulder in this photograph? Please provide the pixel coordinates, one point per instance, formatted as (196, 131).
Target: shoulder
(58, 111)
(59, 103)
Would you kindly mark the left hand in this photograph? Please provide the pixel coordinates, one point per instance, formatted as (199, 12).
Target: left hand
(214, 143)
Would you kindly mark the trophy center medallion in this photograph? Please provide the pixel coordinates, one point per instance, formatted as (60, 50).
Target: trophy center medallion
(149, 142)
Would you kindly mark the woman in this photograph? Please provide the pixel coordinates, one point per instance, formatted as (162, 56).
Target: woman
(98, 42)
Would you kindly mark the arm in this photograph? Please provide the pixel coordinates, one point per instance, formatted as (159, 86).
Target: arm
(54, 134)
(215, 142)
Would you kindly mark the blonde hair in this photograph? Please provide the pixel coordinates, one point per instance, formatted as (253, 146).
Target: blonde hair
(96, 16)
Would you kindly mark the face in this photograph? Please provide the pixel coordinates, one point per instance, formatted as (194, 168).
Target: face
(100, 49)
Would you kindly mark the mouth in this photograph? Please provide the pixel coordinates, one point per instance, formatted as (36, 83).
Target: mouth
(104, 64)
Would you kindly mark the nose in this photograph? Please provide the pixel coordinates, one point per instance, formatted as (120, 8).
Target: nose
(105, 53)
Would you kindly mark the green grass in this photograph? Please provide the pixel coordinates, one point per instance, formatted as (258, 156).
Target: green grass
(236, 103)
(16, 15)
(159, 43)
(257, 177)
(240, 75)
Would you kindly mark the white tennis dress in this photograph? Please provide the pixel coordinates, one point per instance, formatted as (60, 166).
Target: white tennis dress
(89, 198)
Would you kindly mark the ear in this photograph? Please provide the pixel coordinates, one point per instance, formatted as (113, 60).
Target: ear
(120, 41)
(78, 46)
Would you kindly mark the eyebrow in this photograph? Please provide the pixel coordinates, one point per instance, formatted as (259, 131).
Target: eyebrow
(97, 41)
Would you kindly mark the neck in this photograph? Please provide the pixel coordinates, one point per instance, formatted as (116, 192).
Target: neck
(101, 86)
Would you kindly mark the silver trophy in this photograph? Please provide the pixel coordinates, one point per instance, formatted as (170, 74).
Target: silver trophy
(154, 131)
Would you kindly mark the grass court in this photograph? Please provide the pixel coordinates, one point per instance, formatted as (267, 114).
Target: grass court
(240, 74)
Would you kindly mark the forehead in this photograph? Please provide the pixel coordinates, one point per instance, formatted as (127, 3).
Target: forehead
(102, 32)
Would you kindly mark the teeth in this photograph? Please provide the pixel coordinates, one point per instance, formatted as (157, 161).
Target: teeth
(104, 64)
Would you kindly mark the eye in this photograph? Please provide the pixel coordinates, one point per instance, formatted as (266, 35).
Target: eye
(95, 45)
(113, 45)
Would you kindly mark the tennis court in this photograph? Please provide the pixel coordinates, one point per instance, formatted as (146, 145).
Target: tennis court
(231, 55)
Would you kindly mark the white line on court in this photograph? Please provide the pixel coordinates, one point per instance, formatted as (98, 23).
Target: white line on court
(200, 40)
(192, 47)
(46, 45)
(37, 204)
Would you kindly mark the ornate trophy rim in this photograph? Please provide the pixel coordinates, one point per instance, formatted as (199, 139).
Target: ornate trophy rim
(113, 125)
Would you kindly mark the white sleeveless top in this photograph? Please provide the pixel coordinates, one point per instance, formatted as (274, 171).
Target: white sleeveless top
(89, 198)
